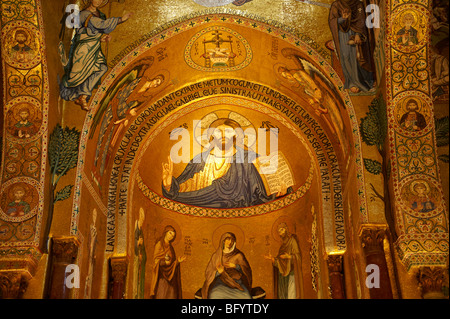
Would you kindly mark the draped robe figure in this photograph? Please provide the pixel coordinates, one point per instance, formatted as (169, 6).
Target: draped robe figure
(288, 280)
(354, 57)
(413, 120)
(18, 208)
(233, 282)
(166, 275)
(140, 259)
(86, 62)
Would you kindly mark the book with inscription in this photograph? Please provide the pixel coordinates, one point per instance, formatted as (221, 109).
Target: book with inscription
(274, 169)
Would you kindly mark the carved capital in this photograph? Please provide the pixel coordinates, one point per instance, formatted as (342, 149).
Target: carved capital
(119, 266)
(118, 276)
(372, 238)
(431, 280)
(65, 250)
(335, 263)
(335, 267)
(13, 284)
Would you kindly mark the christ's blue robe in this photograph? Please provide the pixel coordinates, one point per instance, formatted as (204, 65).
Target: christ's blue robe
(240, 186)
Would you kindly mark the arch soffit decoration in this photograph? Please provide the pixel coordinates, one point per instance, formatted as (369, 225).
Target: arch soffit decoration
(199, 22)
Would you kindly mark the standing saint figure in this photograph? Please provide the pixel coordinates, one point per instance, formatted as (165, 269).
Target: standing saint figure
(228, 274)
(347, 21)
(86, 62)
(92, 244)
(166, 275)
(140, 255)
(287, 266)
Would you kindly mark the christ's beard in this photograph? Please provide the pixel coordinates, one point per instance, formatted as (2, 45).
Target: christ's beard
(224, 145)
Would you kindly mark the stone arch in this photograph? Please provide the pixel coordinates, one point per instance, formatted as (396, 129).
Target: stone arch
(114, 143)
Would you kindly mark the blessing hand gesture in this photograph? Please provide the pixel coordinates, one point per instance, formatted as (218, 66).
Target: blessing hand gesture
(167, 173)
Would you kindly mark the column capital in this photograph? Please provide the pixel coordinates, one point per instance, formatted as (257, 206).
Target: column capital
(372, 237)
(65, 249)
(119, 267)
(118, 276)
(431, 280)
(335, 262)
(13, 284)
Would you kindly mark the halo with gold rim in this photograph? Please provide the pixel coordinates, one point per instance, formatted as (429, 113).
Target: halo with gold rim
(201, 129)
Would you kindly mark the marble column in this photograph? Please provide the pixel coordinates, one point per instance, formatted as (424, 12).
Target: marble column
(13, 284)
(372, 238)
(64, 252)
(431, 280)
(335, 269)
(118, 277)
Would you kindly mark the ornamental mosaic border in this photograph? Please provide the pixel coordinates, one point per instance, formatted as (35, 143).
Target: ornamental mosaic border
(414, 248)
(28, 14)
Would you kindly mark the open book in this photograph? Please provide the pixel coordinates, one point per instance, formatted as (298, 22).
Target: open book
(274, 169)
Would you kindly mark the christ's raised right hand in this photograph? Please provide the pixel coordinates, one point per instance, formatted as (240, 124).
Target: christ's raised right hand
(167, 173)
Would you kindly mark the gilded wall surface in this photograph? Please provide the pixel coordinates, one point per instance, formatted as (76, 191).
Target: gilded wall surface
(157, 147)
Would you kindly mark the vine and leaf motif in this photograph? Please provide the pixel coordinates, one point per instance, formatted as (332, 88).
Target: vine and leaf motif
(63, 156)
(409, 72)
(374, 130)
(415, 156)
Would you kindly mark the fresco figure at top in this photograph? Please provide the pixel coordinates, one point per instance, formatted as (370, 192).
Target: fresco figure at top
(86, 62)
(347, 22)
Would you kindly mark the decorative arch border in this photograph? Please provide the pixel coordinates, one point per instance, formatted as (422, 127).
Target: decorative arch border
(177, 26)
(225, 213)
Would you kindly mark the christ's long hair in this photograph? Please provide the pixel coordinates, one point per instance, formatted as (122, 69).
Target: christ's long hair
(238, 139)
